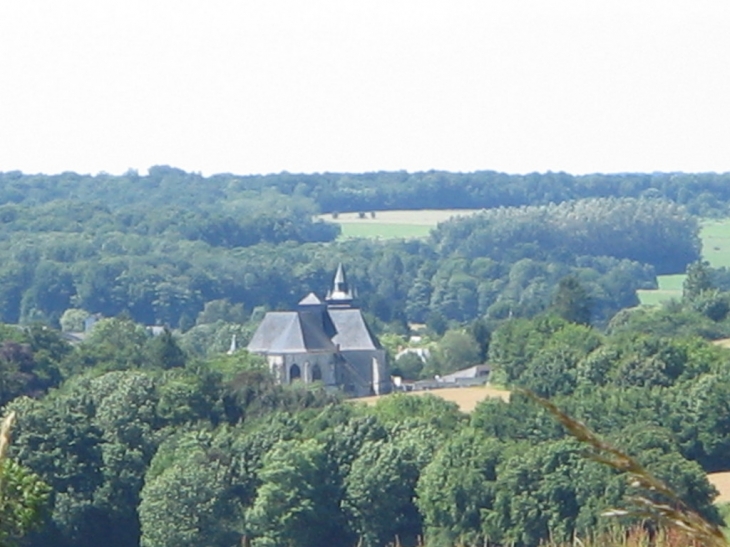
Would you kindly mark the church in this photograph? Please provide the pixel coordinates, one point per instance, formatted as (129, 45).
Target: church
(324, 341)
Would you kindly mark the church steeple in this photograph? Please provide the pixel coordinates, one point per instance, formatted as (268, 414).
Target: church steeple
(340, 294)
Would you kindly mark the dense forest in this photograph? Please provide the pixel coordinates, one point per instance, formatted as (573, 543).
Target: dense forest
(130, 439)
(161, 247)
(704, 194)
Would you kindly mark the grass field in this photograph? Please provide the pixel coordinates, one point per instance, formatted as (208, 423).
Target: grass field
(715, 235)
(466, 397)
(670, 286)
(394, 224)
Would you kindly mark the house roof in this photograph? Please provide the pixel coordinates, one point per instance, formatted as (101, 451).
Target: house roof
(475, 371)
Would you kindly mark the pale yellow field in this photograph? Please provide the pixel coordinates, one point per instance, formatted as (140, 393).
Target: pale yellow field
(427, 217)
(466, 397)
(723, 343)
(721, 481)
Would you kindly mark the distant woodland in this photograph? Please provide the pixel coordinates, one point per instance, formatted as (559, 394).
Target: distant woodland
(159, 247)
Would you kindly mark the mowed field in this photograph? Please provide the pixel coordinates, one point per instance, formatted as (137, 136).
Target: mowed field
(466, 397)
(721, 481)
(715, 235)
(394, 224)
(670, 286)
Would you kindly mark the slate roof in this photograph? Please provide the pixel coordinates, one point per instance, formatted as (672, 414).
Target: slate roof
(291, 332)
(352, 331)
(310, 300)
(316, 327)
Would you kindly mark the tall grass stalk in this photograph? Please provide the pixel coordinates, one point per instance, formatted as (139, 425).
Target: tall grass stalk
(5, 438)
(674, 517)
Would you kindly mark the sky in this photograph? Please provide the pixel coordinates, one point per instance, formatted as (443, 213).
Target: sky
(304, 86)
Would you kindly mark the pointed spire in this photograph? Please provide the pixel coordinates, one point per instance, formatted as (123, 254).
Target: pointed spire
(340, 279)
(340, 294)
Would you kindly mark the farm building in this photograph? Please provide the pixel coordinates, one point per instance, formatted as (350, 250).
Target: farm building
(327, 341)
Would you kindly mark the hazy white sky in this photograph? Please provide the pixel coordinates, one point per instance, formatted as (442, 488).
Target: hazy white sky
(261, 86)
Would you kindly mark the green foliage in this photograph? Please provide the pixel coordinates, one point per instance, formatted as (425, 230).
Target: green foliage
(456, 350)
(380, 489)
(163, 352)
(698, 280)
(293, 505)
(443, 415)
(457, 488)
(571, 302)
(221, 310)
(23, 502)
(172, 264)
(211, 339)
(657, 232)
(408, 366)
(549, 490)
(188, 500)
(73, 319)
(113, 344)
(669, 321)
(517, 342)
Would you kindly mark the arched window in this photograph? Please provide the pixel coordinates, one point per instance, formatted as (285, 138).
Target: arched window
(295, 373)
(316, 373)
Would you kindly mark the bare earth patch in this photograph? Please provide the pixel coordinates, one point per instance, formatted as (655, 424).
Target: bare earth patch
(721, 481)
(466, 397)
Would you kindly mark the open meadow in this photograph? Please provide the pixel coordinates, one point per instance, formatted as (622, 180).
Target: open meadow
(715, 235)
(394, 224)
(466, 397)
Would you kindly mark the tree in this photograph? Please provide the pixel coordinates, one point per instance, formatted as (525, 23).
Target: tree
(409, 366)
(56, 439)
(221, 310)
(457, 489)
(23, 495)
(549, 491)
(23, 501)
(73, 319)
(698, 280)
(571, 302)
(188, 501)
(455, 351)
(479, 329)
(162, 351)
(381, 486)
(515, 343)
(113, 344)
(398, 407)
(293, 507)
